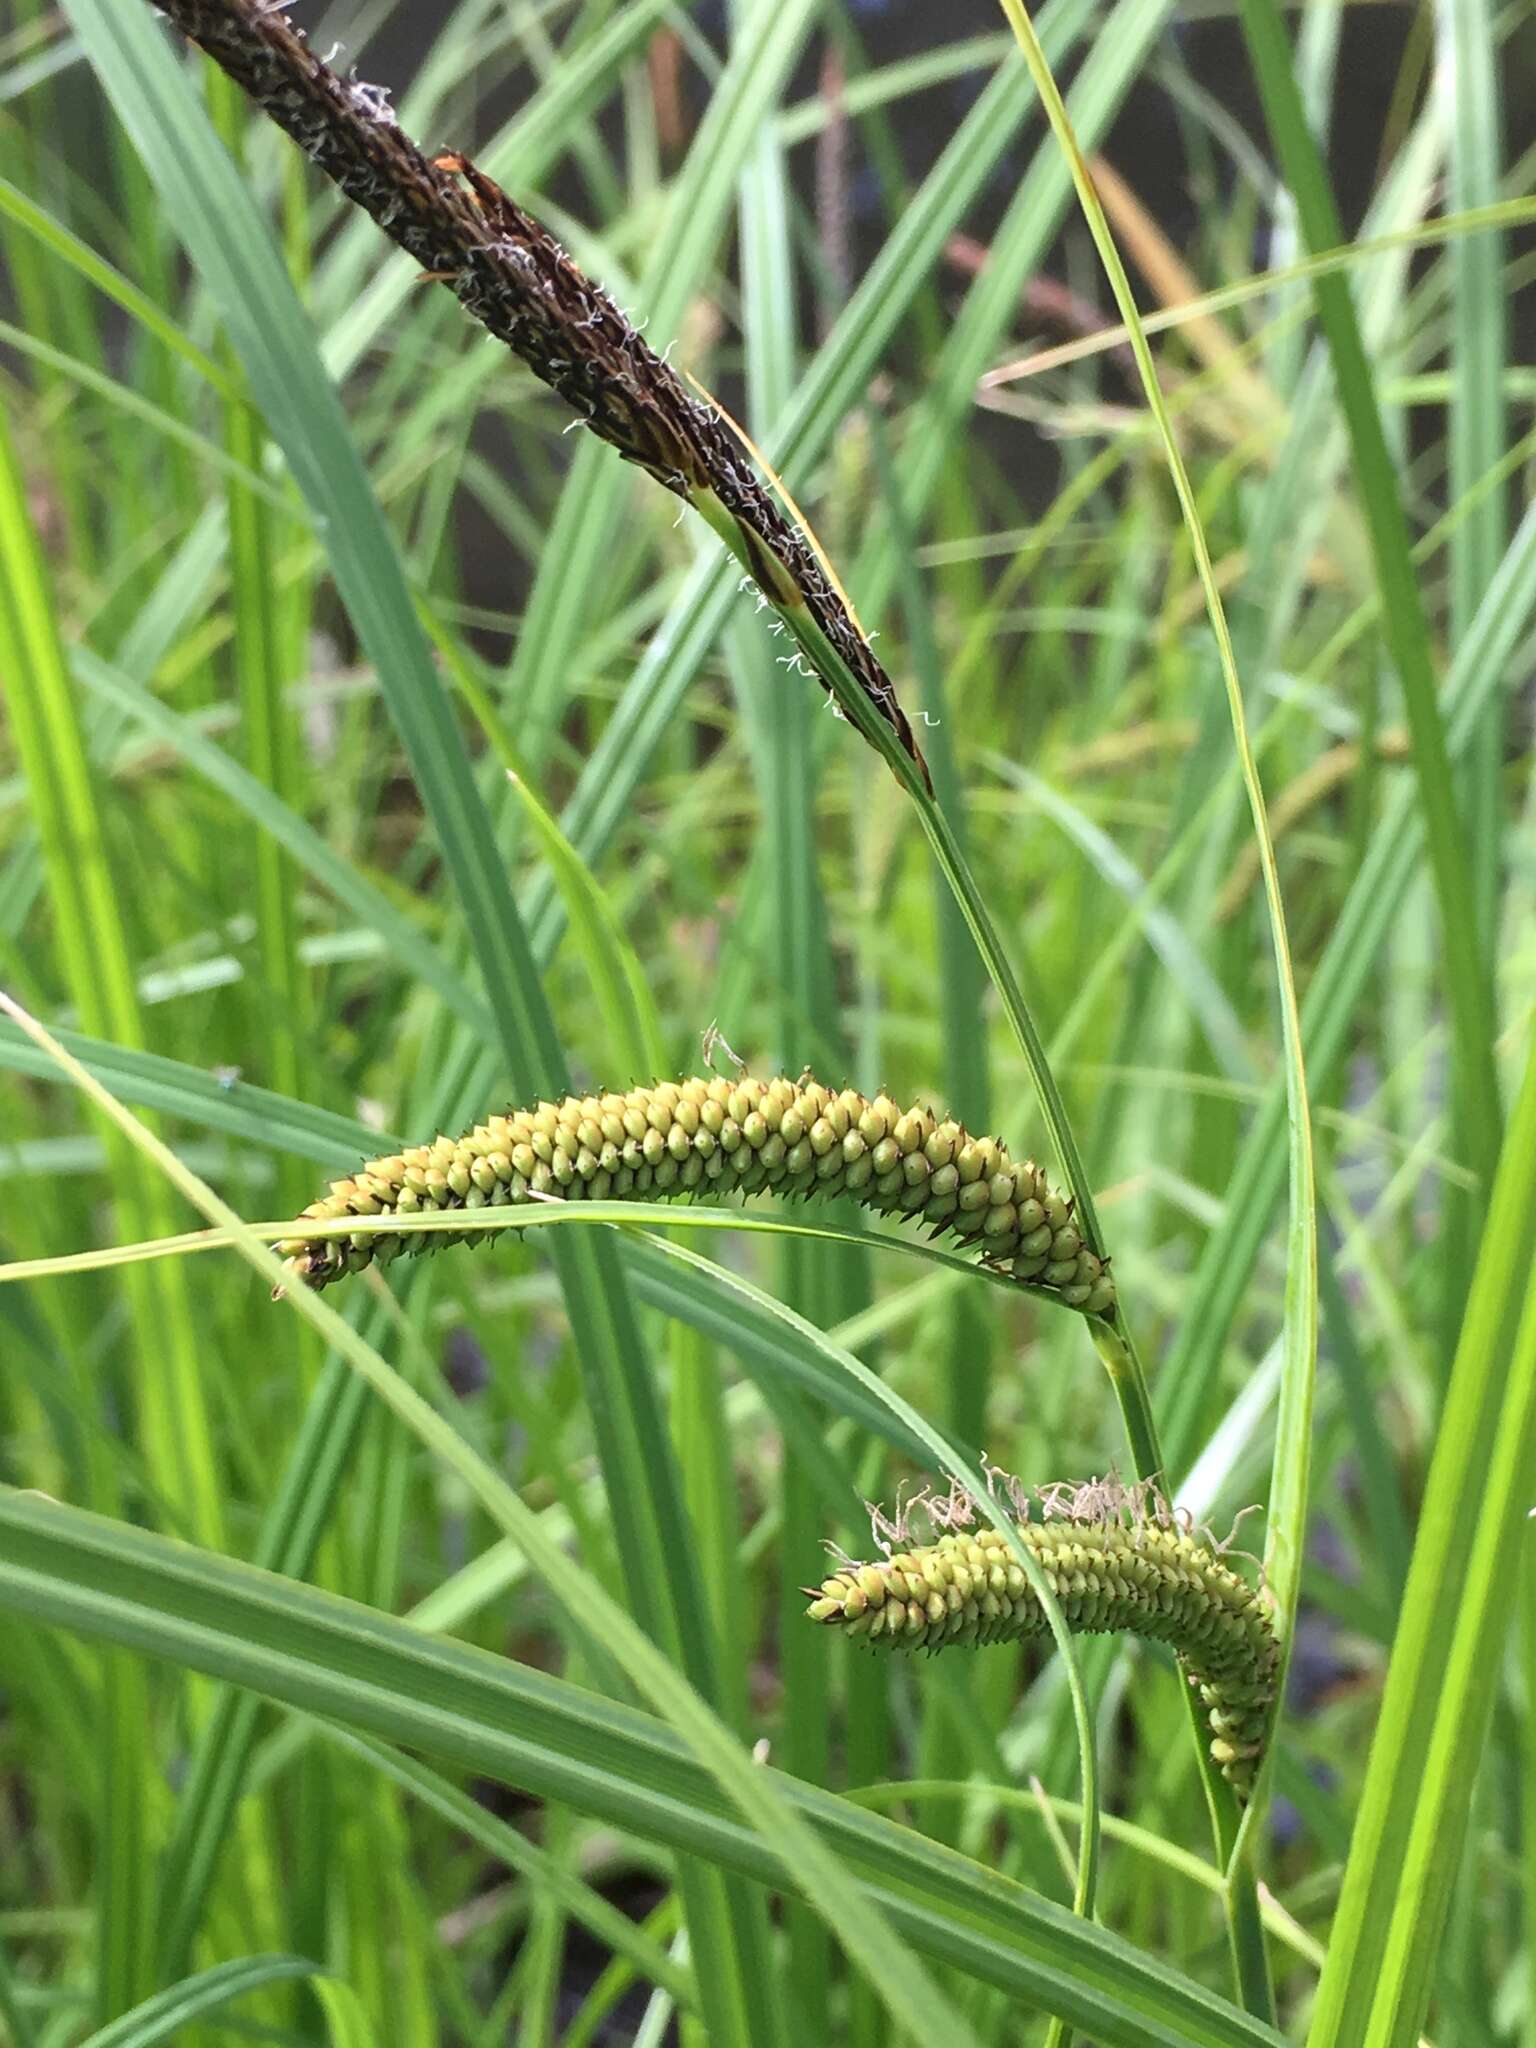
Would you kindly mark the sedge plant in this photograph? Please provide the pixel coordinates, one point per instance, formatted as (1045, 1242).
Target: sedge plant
(585, 1518)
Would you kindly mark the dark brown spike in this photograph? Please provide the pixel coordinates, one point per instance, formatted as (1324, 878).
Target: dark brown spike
(512, 276)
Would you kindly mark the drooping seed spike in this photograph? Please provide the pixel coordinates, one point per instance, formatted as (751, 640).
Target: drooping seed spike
(790, 1138)
(1138, 1576)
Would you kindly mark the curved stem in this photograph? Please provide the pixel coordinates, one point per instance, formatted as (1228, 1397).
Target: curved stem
(1112, 1338)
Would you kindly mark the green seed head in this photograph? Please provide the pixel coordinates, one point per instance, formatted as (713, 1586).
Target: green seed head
(1126, 1566)
(721, 1137)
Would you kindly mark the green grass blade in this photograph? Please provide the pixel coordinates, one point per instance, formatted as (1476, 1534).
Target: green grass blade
(1478, 674)
(1456, 1608)
(328, 1656)
(607, 1629)
(857, 242)
(282, 827)
(259, 654)
(1019, 249)
(806, 1027)
(508, 1845)
(94, 967)
(578, 549)
(215, 1102)
(12, 2012)
(212, 211)
(160, 2018)
(1468, 83)
(1165, 934)
(634, 1028)
(94, 962)
(371, 294)
(229, 462)
(832, 384)
(60, 241)
(1468, 987)
(625, 1215)
(1289, 1486)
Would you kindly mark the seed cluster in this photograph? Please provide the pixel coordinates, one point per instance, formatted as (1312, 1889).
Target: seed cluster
(1144, 1579)
(712, 1137)
(512, 276)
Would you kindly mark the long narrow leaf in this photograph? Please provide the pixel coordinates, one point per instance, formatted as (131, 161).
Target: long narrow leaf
(1455, 1613)
(330, 1657)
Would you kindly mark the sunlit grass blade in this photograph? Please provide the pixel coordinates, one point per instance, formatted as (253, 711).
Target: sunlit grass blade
(1288, 1492)
(1461, 1591)
(218, 220)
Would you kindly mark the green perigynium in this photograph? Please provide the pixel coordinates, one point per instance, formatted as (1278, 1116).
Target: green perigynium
(1140, 1574)
(712, 1137)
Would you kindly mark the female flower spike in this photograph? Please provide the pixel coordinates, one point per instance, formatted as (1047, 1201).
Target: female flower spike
(712, 1137)
(1143, 1577)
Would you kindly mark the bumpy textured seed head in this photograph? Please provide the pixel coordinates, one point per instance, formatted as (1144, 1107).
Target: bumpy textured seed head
(774, 1136)
(1149, 1578)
